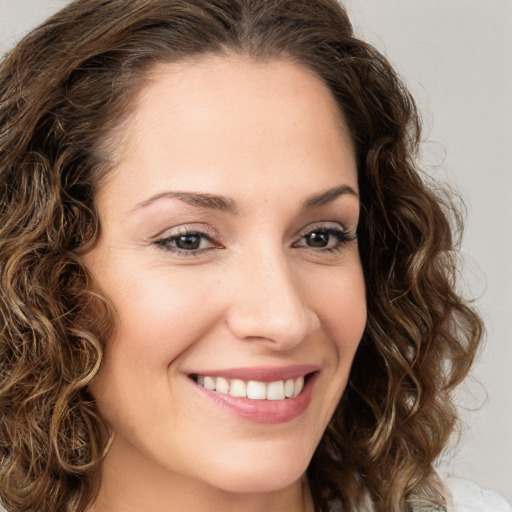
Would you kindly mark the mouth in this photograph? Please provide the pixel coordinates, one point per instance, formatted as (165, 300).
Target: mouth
(253, 389)
(261, 395)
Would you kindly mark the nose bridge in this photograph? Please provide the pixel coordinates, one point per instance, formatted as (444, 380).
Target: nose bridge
(268, 304)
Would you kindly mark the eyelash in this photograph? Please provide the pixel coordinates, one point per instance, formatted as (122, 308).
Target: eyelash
(343, 238)
(165, 243)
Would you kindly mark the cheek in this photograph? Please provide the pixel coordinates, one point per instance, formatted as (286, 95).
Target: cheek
(340, 302)
(159, 319)
(347, 314)
(160, 315)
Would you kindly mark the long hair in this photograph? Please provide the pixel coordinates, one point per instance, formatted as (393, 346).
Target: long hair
(64, 89)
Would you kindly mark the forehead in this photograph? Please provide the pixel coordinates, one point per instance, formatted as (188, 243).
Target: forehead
(229, 120)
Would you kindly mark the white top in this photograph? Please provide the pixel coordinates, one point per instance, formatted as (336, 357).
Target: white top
(464, 496)
(469, 497)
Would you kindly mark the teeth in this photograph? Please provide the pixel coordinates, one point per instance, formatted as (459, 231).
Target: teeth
(222, 385)
(289, 387)
(238, 388)
(209, 383)
(299, 384)
(255, 390)
(275, 390)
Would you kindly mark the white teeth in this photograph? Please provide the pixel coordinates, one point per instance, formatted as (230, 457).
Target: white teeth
(209, 383)
(275, 390)
(238, 388)
(255, 390)
(289, 387)
(222, 385)
(299, 384)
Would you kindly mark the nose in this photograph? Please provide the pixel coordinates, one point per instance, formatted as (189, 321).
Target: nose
(268, 305)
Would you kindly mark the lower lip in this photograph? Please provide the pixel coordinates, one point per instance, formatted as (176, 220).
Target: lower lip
(264, 411)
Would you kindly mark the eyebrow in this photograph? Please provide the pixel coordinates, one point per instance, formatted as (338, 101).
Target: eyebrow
(328, 196)
(202, 200)
(226, 204)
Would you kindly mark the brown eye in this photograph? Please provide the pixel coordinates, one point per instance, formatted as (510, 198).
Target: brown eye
(325, 238)
(318, 239)
(188, 242)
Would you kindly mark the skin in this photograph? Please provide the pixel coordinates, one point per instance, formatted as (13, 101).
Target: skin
(267, 136)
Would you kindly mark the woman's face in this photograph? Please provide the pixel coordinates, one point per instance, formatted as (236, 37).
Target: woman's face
(228, 250)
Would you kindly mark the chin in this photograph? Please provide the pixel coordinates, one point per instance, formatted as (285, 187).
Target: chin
(253, 482)
(266, 471)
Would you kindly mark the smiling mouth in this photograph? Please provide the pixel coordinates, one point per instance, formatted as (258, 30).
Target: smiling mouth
(253, 389)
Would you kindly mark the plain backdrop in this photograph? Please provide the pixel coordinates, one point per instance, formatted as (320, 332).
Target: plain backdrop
(456, 56)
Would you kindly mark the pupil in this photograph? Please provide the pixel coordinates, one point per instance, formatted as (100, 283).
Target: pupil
(318, 239)
(188, 242)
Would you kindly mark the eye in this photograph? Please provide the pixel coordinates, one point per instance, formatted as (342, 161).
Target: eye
(187, 242)
(325, 238)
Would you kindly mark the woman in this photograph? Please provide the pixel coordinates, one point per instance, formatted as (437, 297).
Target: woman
(224, 284)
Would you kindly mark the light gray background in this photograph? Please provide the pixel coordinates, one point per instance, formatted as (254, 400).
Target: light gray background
(456, 56)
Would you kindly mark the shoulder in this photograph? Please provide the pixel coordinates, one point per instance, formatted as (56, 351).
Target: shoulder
(464, 496)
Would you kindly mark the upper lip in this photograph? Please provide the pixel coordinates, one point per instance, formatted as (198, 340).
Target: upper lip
(262, 373)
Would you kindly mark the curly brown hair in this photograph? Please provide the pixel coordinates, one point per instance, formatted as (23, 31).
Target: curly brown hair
(64, 89)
